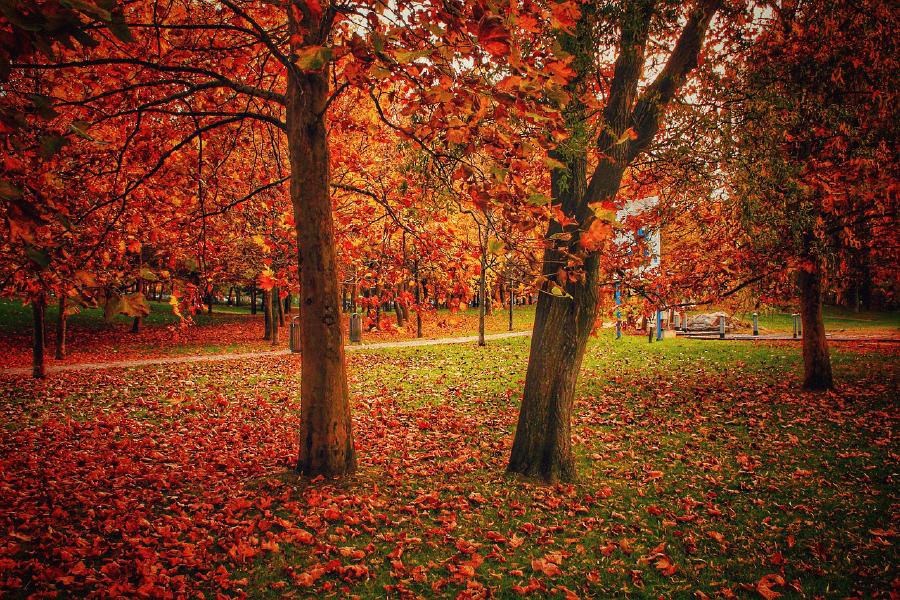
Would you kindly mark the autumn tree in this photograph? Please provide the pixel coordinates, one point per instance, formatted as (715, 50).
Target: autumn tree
(814, 158)
(585, 181)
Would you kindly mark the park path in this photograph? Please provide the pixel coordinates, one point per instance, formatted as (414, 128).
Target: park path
(410, 343)
(245, 355)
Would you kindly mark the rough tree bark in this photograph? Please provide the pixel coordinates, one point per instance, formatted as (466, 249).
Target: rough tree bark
(817, 373)
(326, 436)
(542, 444)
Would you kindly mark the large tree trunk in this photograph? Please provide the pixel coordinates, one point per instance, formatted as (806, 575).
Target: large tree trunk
(816, 361)
(543, 445)
(563, 321)
(61, 319)
(37, 357)
(326, 435)
(253, 299)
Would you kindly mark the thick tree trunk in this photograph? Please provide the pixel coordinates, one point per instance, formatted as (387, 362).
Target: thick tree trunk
(61, 319)
(543, 446)
(38, 369)
(817, 373)
(136, 325)
(326, 435)
(253, 299)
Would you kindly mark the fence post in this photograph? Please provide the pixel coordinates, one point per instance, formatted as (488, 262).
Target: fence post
(722, 327)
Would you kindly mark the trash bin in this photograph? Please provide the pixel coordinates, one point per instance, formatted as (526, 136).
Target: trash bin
(355, 329)
(295, 335)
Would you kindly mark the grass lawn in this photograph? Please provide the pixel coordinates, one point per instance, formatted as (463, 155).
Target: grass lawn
(837, 321)
(705, 472)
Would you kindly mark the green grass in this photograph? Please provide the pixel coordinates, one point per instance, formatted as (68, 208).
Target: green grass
(703, 469)
(704, 449)
(836, 320)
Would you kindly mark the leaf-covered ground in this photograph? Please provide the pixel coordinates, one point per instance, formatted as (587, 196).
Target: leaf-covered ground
(705, 473)
(90, 339)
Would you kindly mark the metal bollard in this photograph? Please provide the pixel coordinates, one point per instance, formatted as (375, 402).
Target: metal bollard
(721, 328)
(355, 329)
(796, 325)
(658, 325)
(295, 335)
(755, 324)
(618, 314)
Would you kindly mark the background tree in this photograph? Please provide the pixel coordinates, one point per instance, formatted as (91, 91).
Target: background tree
(814, 173)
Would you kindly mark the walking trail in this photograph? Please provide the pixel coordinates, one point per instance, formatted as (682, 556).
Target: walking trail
(246, 355)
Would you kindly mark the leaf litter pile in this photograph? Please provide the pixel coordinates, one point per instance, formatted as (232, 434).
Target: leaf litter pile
(705, 473)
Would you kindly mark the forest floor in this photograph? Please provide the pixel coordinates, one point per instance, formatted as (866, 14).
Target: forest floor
(705, 472)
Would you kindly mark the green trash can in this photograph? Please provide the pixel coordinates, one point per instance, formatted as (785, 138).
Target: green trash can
(295, 335)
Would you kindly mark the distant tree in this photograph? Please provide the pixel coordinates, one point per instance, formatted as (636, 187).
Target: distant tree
(815, 166)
